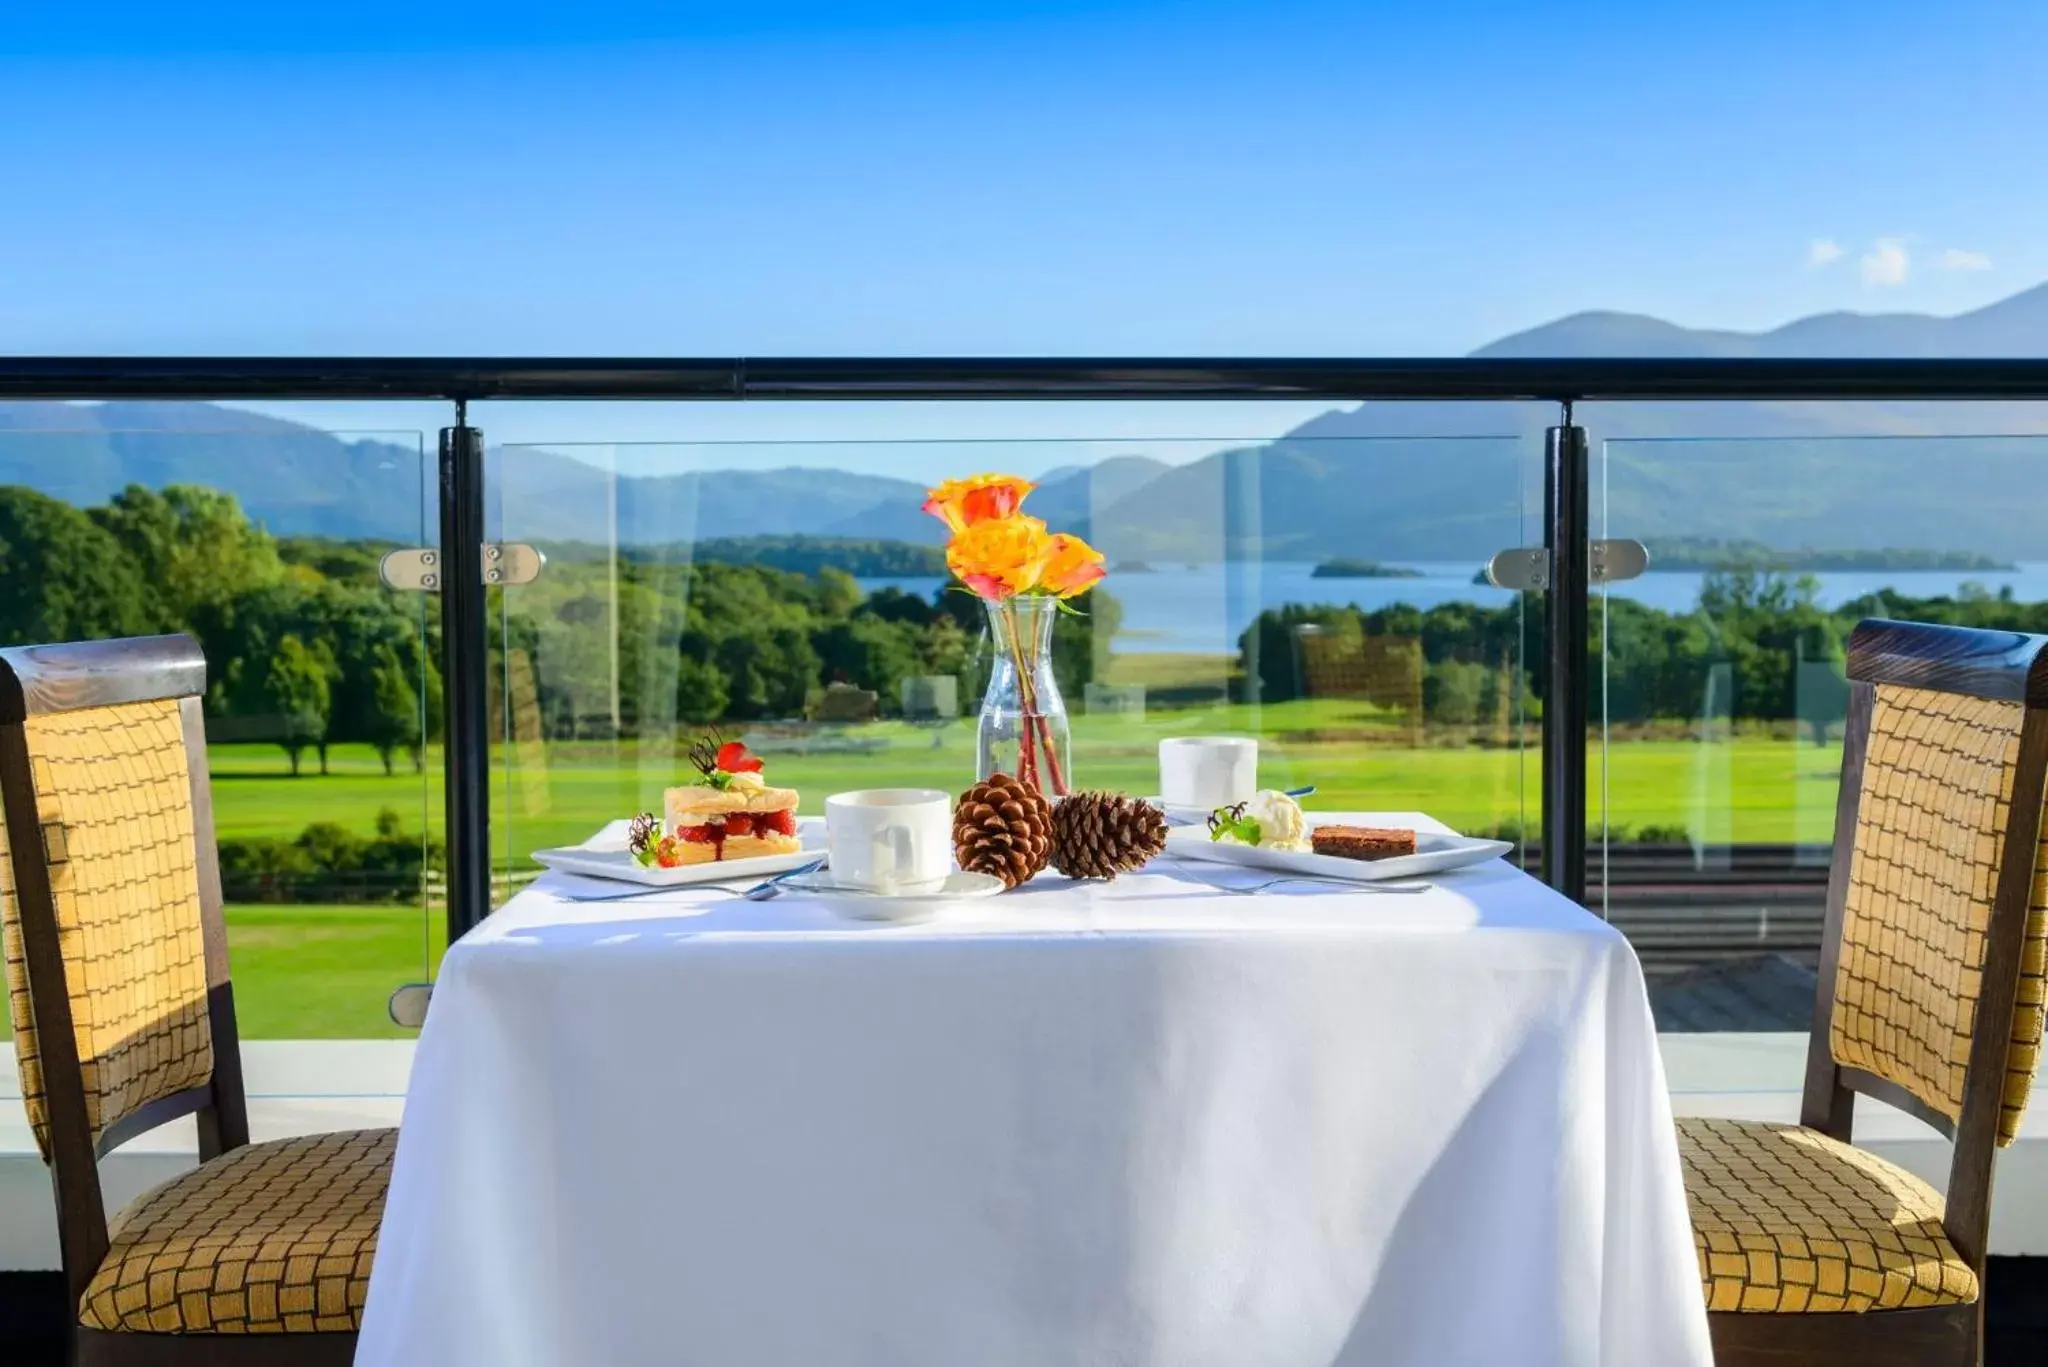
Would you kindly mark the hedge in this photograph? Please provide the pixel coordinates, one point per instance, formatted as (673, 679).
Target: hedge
(330, 863)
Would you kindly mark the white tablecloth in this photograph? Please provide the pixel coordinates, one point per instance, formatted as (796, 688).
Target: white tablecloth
(1132, 1124)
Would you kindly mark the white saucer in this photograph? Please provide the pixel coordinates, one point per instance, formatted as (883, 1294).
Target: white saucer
(865, 904)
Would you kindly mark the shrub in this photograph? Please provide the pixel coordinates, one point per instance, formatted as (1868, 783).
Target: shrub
(329, 863)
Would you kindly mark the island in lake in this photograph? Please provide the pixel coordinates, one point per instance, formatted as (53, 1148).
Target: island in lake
(1344, 568)
(1695, 555)
(797, 553)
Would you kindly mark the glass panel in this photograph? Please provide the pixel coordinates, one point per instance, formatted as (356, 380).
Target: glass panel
(261, 538)
(1319, 594)
(1723, 697)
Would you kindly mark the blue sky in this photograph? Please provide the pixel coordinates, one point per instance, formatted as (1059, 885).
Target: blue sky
(1269, 178)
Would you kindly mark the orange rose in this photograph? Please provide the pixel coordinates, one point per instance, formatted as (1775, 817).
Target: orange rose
(999, 557)
(1071, 565)
(962, 503)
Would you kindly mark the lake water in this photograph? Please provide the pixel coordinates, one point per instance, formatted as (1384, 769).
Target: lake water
(1205, 608)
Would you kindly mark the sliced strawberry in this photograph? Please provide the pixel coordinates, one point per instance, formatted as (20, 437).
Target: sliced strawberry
(776, 823)
(738, 823)
(734, 759)
(700, 835)
(667, 854)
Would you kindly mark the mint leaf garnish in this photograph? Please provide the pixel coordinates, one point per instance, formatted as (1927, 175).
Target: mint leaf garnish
(1230, 823)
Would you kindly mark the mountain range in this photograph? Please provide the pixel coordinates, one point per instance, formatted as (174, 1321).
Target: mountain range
(1388, 481)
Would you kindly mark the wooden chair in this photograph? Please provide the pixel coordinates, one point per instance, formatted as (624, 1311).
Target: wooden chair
(1933, 975)
(117, 977)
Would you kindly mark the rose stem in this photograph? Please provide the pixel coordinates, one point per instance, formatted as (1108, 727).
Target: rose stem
(1027, 762)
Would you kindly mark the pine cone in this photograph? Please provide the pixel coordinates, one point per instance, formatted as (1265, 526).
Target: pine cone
(1100, 835)
(1002, 826)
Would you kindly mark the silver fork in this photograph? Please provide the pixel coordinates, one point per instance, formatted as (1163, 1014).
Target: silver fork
(1247, 889)
(758, 892)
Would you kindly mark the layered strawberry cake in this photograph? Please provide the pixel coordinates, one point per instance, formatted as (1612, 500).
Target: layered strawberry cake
(730, 812)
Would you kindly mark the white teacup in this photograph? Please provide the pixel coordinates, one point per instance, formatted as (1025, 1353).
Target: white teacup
(890, 839)
(1208, 771)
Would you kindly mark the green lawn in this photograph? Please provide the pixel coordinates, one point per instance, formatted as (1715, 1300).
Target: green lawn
(1755, 788)
(327, 971)
(321, 972)
(309, 972)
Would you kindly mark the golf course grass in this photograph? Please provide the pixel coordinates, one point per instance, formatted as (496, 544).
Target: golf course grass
(1752, 788)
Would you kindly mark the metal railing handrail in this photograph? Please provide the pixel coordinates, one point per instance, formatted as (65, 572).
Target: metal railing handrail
(1563, 380)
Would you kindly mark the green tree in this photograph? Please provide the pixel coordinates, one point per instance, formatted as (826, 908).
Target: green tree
(64, 578)
(295, 685)
(769, 674)
(701, 696)
(394, 716)
(869, 653)
(945, 649)
(1455, 692)
(893, 604)
(838, 594)
(194, 546)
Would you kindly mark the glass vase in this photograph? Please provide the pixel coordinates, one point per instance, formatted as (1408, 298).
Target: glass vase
(1023, 728)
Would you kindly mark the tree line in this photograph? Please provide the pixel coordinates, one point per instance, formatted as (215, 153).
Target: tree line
(1779, 650)
(640, 645)
(303, 645)
(306, 648)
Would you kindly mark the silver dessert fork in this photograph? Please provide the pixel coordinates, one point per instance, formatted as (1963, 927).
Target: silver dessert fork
(758, 892)
(1247, 889)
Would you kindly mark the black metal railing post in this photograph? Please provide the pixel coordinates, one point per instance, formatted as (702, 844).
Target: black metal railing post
(465, 662)
(1567, 522)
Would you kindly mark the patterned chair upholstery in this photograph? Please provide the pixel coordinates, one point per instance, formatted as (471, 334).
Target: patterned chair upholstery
(271, 1239)
(114, 896)
(1930, 819)
(1788, 1220)
(113, 789)
(1791, 1222)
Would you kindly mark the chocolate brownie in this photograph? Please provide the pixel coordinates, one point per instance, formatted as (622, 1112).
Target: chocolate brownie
(1362, 842)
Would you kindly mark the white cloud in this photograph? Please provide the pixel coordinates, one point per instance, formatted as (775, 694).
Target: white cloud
(1822, 251)
(1956, 259)
(1886, 263)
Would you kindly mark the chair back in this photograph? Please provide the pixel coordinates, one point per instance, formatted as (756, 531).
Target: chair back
(110, 913)
(1934, 968)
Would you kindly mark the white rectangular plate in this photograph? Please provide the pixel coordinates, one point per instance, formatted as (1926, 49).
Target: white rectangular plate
(1434, 853)
(604, 855)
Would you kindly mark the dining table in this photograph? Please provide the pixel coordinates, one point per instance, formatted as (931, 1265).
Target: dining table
(1157, 1121)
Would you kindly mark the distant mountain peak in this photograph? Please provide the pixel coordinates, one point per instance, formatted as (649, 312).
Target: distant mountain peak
(1601, 333)
(2014, 326)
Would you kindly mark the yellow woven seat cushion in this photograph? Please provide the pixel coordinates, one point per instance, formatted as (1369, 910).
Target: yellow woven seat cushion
(268, 1239)
(1788, 1220)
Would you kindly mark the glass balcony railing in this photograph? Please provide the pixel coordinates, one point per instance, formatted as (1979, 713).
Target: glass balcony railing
(323, 693)
(1323, 594)
(1317, 594)
(1721, 697)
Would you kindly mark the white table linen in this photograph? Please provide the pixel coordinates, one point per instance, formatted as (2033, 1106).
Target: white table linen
(1137, 1123)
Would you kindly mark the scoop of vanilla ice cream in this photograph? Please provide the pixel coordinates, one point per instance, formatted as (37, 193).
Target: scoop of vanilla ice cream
(1281, 823)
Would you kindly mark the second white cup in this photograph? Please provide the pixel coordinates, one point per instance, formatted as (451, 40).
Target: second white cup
(890, 840)
(1208, 771)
